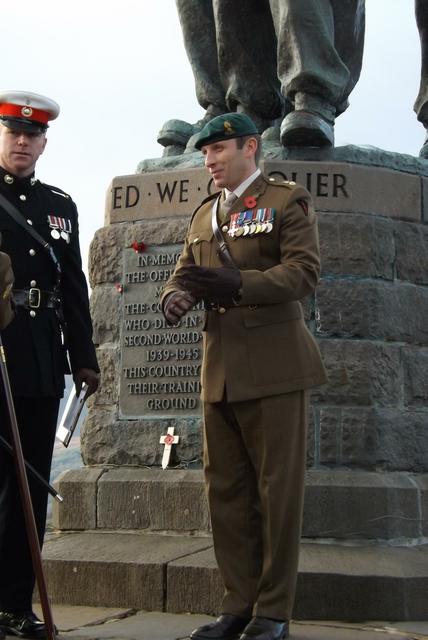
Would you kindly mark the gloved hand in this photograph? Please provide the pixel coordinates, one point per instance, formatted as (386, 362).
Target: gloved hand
(91, 377)
(212, 283)
(176, 305)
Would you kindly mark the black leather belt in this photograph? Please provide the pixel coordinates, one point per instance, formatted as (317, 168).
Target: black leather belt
(36, 299)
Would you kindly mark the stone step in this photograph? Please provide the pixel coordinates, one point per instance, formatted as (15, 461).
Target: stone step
(338, 504)
(178, 573)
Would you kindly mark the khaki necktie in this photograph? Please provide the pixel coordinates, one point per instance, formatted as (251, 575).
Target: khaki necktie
(226, 205)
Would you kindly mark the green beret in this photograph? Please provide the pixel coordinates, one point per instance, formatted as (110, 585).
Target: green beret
(225, 127)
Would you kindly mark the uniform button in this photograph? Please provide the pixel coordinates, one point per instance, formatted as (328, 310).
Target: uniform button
(33, 283)
(225, 228)
(221, 310)
(32, 252)
(195, 240)
(29, 221)
(32, 313)
(22, 197)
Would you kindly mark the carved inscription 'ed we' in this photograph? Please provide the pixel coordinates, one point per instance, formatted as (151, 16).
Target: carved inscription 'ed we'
(335, 187)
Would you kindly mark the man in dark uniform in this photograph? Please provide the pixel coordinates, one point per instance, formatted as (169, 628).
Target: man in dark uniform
(259, 361)
(52, 318)
(290, 60)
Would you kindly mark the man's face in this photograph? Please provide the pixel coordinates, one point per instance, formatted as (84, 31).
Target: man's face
(228, 165)
(20, 150)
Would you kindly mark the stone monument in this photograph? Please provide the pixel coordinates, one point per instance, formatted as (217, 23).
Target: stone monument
(134, 534)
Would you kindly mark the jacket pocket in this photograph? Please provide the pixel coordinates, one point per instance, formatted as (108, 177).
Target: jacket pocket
(200, 243)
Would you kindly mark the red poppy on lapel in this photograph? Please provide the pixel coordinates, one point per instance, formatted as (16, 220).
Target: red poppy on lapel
(250, 202)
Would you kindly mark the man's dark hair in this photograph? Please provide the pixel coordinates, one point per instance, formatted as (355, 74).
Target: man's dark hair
(241, 141)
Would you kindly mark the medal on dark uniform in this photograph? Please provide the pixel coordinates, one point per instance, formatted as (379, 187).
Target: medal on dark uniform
(60, 228)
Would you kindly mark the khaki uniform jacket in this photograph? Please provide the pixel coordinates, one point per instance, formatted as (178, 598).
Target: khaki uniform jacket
(6, 282)
(261, 347)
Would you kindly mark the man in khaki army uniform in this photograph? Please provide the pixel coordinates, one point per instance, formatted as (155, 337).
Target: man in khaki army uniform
(259, 361)
(6, 282)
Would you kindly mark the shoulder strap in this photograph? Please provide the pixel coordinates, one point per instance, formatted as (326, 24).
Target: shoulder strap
(18, 217)
(224, 253)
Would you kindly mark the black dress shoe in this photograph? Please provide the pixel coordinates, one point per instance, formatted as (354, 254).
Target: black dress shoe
(226, 627)
(265, 629)
(23, 624)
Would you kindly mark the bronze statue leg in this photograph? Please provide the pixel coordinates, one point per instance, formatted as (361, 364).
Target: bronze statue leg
(320, 46)
(421, 104)
(246, 44)
(198, 27)
(349, 28)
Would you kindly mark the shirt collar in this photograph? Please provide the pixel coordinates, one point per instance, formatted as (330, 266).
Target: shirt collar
(244, 185)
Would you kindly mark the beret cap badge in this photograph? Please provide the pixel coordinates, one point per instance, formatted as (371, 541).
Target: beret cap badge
(228, 128)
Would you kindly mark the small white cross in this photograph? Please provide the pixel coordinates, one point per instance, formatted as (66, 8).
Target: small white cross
(168, 441)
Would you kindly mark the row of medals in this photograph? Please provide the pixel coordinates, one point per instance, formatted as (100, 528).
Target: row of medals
(56, 235)
(251, 222)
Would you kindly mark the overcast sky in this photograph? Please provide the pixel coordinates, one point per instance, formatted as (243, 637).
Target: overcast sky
(119, 71)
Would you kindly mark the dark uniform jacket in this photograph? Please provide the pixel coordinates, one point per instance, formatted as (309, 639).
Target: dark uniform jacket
(261, 347)
(36, 357)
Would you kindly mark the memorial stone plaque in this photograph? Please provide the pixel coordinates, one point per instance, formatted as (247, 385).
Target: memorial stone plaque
(160, 364)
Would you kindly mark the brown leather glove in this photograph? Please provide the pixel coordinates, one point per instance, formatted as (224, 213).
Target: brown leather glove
(219, 284)
(176, 305)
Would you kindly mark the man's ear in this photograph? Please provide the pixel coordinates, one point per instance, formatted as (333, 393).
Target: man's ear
(252, 144)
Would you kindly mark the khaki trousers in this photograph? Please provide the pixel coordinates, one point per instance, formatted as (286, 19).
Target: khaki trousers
(254, 462)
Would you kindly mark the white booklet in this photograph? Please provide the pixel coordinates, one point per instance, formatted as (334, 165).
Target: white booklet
(71, 415)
